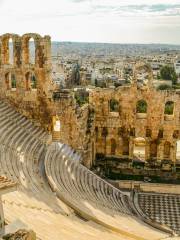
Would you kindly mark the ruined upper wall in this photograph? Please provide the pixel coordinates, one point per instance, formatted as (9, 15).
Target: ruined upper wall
(21, 50)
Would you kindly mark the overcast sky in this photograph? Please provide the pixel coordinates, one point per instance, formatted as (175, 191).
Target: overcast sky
(118, 21)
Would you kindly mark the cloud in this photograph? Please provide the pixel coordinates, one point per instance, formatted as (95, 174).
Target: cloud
(94, 20)
(140, 10)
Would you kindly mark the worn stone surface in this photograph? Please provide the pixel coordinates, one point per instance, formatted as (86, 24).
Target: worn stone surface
(160, 131)
(21, 234)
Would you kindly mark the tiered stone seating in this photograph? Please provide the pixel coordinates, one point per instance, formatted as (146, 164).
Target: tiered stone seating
(23, 148)
(161, 208)
(22, 151)
(91, 196)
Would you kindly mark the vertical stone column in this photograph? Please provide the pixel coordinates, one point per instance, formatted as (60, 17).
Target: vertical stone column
(160, 150)
(147, 150)
(131, 147)
(173, 152)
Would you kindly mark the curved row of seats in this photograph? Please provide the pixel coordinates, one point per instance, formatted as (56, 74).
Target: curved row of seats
(91, 196)
(22, 147)
(22, 150)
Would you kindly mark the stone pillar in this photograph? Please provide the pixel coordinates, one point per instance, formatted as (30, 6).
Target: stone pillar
(131, 147)
(160, 150)
(173, 152)
(147, 150)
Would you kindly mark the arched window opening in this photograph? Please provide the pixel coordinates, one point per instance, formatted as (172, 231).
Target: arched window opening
(178, 150)
(141, 106)
(13, 81)
(113, 147)
(32, 50)
(169, 108)
(11, 51)
(33, 82)
(153, 149)
(114, 105)
(167, 149)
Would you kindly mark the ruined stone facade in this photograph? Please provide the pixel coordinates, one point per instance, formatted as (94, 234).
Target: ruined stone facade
(116, 122)
(136, 115)
(28, 86)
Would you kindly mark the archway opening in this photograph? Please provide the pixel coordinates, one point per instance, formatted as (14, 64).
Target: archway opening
(113, 105)
(33, 81)
(13, 81)
(139, 149)
(11, 51)
(32, 51)
(169, 108)
(141, 106)
(167, 150)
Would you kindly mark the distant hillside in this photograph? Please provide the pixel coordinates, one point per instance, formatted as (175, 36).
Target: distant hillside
(108, 48)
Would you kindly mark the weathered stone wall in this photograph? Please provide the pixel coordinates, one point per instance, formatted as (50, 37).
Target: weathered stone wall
(126, 125)
(29, 88)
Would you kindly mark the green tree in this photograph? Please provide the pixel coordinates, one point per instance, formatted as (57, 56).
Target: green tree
(168, 73)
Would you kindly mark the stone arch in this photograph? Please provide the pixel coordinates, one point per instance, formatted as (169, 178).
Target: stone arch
(169, 108)
(167, 149)
(113, 105)
(39, 58)
(12, 50)
(141, 106)
(113, 146)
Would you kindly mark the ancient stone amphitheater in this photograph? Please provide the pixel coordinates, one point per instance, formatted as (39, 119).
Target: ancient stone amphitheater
(59, 198)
